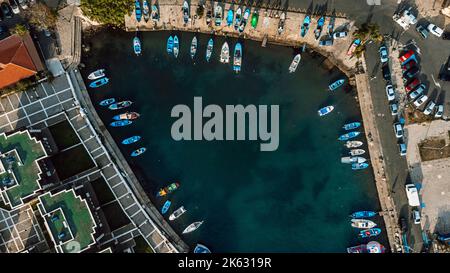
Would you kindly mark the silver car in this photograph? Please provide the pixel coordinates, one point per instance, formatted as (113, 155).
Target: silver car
(417, 92)
(398, 129)
(439, 111)
(390, 92)
(340, 34)
(430, 108)
(421, 100)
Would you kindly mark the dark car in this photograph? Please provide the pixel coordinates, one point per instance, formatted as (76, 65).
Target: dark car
(408, 75)
(408, 65)
(403, 225)
(386, 72)
(423, 31)
(3, 30)
(6, 10)
(412, 84)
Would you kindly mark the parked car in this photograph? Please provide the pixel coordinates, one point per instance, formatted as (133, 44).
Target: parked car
(3, 30)
(407, 66)
(390, 92)
(326, 42)
(420, 100)
(439, 111)
(386, 72)
(23, 4)
(422, 31)
(410, 74)
(435, 30)
(403, 225)
(1, 15)
(406, 56)
(402, 148)
(6, 10)
(14, 6)
(430, 108)
(412, 84)
(340, 35)
(398, 129)
(417, 92)
(384, 56)
(394, 108)
(416, 216)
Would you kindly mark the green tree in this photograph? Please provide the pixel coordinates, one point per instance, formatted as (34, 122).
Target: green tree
(20, 30)
(42, 16)
(110, 12)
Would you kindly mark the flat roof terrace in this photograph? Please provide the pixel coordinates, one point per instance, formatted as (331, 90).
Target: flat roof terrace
(69, 220)
(24, 169)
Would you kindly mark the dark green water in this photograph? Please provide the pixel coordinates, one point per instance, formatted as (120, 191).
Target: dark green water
(295, 199)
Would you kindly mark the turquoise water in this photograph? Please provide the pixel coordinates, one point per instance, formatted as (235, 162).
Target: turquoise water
(294, 199)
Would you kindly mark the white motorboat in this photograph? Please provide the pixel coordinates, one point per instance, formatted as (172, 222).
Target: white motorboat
(295, 63)
(192, 227)
(363, 223)
(225, 53)
(177, 213)
(97, 74)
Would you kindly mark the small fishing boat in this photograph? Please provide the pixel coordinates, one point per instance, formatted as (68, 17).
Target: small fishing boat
(127, 115)
(177, 213)
(353, 159)
(281, 22)
(120, 105)
(335, 85)
(137, 46)
(218, 15)
(176, 46)
(225, 53)
(107, 102)
(170, 45)
(138, 11)
(348, 136)
(199, 248)
(355, 152)
(146, 10)
(325, 110)
(359, 166)
(185, 12)
(331, 25)
(99, 82)
(363, 223)
(295, 63)
(305, 26)
(131, 140)
(192, 227)
(319, 27)
(363, 214)
(372, 232)
(353, 47)
(155, 13)
(120, 123)
(353, 144)
(254, 21)
(375, 247)
(237, 19)
(209, 49)
(138, 152)
(357, 249)
(168, 189)
(193, 47)
(230, 17)
(237, 59)
(244, 20)
(166, 207)
(351, 125)
(97, 74)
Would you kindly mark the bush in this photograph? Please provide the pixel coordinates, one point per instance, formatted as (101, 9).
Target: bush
(20, 30)
(41, 16)
(110, 12)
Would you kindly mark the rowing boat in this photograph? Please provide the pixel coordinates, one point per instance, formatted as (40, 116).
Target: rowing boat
(193, 47)
(237, 59)
(131, 140)
(209, 49)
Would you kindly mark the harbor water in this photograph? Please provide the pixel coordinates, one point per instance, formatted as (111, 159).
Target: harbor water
(294, 199)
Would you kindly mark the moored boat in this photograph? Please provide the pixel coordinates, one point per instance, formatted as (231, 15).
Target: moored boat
(155, 13)
(237, 59)
(325, 110)
(355, 152)
(138, 152)
(281, 22)
(137, 46)
(99, 82)
(218, 15)
(97, 74)
(169, 46)
(331, 25)
(254, 20)
(353, 159)
(363, 214)
(360, 166)
(335, 85)
(166, 207)
(107, 102)
(225, 53)
(230, 17)
(367, 233)
(146, 10)
(357, 249)
(192, 227)
(120, 123)
(127, 115)
(353, 47)
(237, 19)
(209, 49)
(138, 11)
(120, 105)
(185, 12)
(319, 27)
(295, 63)
(177, 213)
(348, 136)
(168, 189)
(351, 125)
(375, 247)
(363, 223)
(244, 20)
(353, 144)
(199, 248)
(131, 140)
(193, 47)
(305, 26)
(176, 46)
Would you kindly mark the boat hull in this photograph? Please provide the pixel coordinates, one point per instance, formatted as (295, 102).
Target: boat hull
(131, 140)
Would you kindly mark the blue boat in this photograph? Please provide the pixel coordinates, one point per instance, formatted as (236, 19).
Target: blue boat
(325, 110)
(363, 214)
(372, 232)
(166, 207)
(305, 26)
(335, 85)
(138, 11)
(131, 140)
(120, 105)
(121, 123)
(209, 49)
(137, 45)
(99, 82)
(359, 166)
(349, 135)
(237, 60)
(199, 248)
(176, 46)
(107, 102)
(351, 126)
(138, 152)
(319, 27)
(170, 45)
(230, 17)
